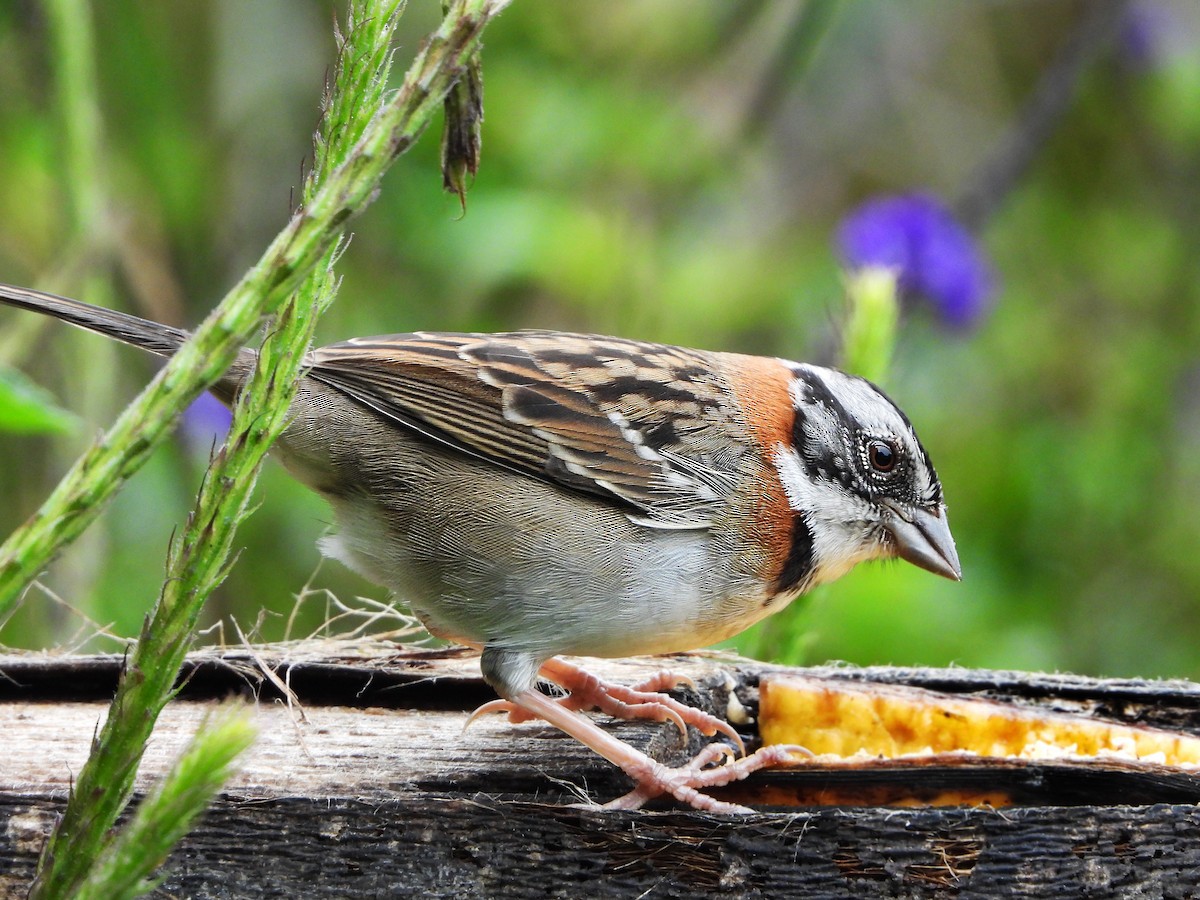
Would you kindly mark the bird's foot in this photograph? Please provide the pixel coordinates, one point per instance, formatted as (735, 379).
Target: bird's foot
(642, 701)
(686, 782)
(651, 777)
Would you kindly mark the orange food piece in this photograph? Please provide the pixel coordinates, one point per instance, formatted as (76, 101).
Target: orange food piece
(844, 719)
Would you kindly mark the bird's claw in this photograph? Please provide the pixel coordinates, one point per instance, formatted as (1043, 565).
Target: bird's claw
(686, 782)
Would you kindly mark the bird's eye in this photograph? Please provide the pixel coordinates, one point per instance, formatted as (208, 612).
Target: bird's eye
(882, 456)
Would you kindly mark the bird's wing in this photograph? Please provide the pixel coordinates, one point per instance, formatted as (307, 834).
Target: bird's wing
(648, 426)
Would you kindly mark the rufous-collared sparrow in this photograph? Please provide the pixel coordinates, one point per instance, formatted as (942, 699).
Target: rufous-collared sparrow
(541, 493)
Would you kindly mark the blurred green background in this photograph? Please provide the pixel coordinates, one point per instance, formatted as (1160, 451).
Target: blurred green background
(671, 170)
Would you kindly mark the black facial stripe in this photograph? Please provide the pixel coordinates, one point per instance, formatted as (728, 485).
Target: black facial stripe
(822, 466)
(798, 421)
(826, 467)
(936, 491)
(818, 393)
(799, 562)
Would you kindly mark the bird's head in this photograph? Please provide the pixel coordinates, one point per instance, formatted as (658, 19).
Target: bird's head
(860, 483)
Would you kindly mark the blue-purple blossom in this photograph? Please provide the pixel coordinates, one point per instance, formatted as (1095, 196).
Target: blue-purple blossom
(1146, 34)
(934, 256)
(205, 422)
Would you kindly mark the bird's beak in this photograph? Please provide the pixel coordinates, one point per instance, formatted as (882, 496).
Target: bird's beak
(922, 537)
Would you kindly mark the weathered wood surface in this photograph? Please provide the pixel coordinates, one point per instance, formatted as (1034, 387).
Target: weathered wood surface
(371, 788)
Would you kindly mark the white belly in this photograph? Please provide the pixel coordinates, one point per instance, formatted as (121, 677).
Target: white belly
(597, 585)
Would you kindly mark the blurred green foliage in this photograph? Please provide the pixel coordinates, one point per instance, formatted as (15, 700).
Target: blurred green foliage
(672, 170)
(26, 408)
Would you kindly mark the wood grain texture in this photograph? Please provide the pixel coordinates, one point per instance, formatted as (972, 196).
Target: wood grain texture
(375, 790)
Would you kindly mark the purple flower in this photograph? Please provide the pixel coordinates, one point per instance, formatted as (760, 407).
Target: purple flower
(1146, 35)
(205, 423)
(935, 257)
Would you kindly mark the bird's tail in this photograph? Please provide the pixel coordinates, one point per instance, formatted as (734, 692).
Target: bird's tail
(155, 337)
(160, 339)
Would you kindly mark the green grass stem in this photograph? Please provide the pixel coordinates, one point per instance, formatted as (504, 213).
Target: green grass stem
(363, 130)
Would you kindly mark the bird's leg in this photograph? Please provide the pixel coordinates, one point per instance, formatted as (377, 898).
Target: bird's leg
(642, 701)
(652, 777)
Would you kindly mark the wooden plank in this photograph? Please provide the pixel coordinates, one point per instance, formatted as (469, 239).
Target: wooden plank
(376, 790)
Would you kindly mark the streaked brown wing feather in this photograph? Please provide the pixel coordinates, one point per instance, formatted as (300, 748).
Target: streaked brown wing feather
(420, 382)
(646, 425)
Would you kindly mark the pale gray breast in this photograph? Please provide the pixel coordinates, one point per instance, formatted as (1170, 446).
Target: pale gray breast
(488, 557)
